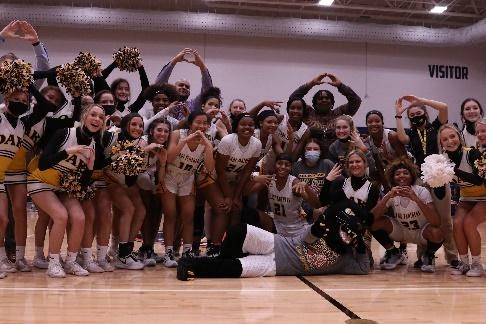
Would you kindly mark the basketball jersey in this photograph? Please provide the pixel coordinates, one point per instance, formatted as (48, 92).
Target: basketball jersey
(282, 132)
(239, 155)
(385, 150)
(187, 160)
(52, 175)
(469, 191)
(286, 209)
(10, 142)
(407, 212)
(359, 196)
(268, 145)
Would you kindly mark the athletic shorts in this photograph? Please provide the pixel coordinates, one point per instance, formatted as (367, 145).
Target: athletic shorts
(401, 234)
(15, 177)
(180, 184)
(2, 188)
(36, 186)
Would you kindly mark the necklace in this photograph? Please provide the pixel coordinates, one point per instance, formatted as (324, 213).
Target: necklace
(423, 140)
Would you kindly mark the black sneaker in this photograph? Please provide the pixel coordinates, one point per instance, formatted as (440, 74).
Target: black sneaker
(184, 270)
(189, 254)
(213, 251)
(393, 257)
(418, 264)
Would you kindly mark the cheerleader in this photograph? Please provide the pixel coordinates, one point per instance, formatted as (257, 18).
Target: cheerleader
(69, 150)
(414, 220)
(471, 210)
(123, 190)
(471, 112)
(158, 132)
(332, 245)
(422, 140)
(236, 158)
(285, 196)
(187, 148)
(12, 129)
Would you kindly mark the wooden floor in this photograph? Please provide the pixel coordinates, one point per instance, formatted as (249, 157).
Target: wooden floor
(155, 296)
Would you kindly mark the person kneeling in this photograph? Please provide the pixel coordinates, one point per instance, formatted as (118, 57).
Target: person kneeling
(327, 247)
(415, 218)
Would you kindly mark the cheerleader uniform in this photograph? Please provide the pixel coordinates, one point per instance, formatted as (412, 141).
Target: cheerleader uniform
(471, 186)
(108, 140)
(179, 177)
(285, 206)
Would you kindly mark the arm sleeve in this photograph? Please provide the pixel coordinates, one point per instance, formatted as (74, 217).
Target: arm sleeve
(301, 91)
(107, 71)
(42, 62)
(165, 73)
(51, 154)
(352, 106)
(40, 111)
(138, 104)
(206, 83)
(332, 191)
(99, 84)
(161, 114)
(373, 197)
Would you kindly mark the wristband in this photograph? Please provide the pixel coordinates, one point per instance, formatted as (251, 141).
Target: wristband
(398, 117)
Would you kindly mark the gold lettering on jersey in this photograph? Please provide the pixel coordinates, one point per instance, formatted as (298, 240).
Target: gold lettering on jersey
(11, 140)
(189, 158)
(280, 198)
(238, 160)
(74, 160)
(34, 136)
(414, 214)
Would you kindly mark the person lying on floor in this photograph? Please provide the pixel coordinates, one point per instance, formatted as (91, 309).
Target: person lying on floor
(332, 245)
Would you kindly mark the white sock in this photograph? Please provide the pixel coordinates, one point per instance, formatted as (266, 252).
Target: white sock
(87, 254)
(39, 252)
(114, 241)
(464, 258)
(101, 252)
(476, 259)
(54, 257)
(19, 252)
(3, 254)
(186, 247)
(71, 257)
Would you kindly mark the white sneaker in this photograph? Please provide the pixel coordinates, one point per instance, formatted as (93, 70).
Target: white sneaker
(145, 258)
(460, 269)
(106, 266)
(476, 270)
(3, 275)
(113, 252)
(55, 270)
(129, 262)
(75, 269)
(22, 265)
(168, 260)
(7, 266)
(40, 262)
(92, 266)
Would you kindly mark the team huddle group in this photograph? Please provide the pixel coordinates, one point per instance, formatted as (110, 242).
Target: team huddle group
(282, 188)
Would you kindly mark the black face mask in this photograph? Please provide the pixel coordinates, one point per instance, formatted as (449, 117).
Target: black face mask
(109, 109)
(17, 108)
(418, 121)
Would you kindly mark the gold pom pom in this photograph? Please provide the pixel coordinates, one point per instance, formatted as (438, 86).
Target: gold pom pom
(73, 79)
(128, 59)
(15, 75)
(71, 184)
(130, 160)
(88, 63)
(480, 165)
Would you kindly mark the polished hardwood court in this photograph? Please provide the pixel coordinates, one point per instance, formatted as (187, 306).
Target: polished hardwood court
(155, 296)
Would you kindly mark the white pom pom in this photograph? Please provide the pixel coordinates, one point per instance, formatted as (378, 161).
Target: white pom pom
(437, 170)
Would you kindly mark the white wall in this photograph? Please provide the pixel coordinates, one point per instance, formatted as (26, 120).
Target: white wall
(260, 68)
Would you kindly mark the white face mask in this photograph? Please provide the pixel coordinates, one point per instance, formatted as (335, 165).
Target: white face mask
(312, 156)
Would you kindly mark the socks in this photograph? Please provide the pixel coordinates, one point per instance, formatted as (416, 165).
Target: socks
(53, 257)
(19, 252)
(464, 258)
(87, 254)
(101, 252)
(476, 259)
(39, 252)
(186, 247)
(71, 257)
(382, 237)
(123, 249)
(169, 248)
(3, 254)
(432, 247)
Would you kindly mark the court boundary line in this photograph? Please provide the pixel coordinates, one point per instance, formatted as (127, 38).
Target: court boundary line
(143, 290)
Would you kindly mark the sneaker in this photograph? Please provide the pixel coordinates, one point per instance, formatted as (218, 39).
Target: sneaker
(169, 259)
(184, 270)
(3, 275)
(428, 263)
(460, 269)
(7, 266)
(393, 257)
(189, 254)
(145, 258)
(404, 253)
(22, 265)
(129, 263)
(92, 266)
(418, 264)
(113, 252)
(40, 262)
(106, 266)
(213, 250)
(75, 269)
(55, 270)
(476, 270)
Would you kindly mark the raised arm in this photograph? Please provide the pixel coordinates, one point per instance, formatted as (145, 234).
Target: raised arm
(301, 91)
(399, 110)
(354, 101)
(166, 71)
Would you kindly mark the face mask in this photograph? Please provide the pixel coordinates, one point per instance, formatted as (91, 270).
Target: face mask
(418, 121)
(312, 156)
(17, 108)
(109, 109)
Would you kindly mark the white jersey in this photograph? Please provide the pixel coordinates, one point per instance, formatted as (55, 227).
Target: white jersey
(407, 212)
(187, 160)
(359, 196)
(239, 155)
(282, 132)
(268, 145)
(286, 209)
(10, 142)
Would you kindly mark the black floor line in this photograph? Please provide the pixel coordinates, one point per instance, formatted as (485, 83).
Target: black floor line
(334, 302)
